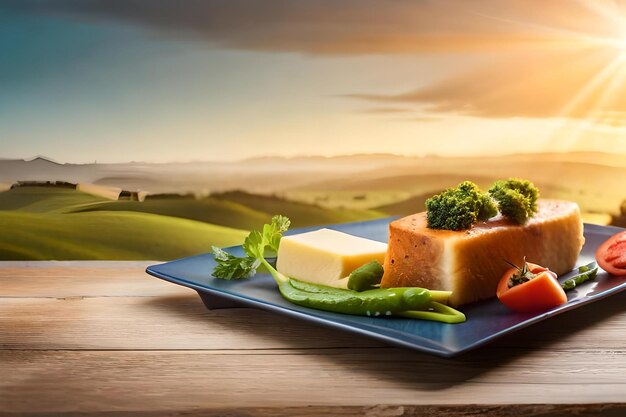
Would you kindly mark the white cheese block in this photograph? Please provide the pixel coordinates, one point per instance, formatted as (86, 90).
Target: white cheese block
(326, 256)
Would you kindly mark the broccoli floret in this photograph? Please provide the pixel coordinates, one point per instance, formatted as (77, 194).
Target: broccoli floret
(459, 208)
(487, 208)
(517, 198)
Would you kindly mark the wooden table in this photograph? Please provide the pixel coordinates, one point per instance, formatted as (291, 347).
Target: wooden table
(105, 338)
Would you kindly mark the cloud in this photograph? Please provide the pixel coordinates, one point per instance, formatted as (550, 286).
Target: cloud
(574, 84)
(401, 114)
(386, 110)
(420, 119)
(608, 119)
(548, 61)
(332, 26)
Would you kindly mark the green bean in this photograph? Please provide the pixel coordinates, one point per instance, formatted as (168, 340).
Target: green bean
(317, 288)
(378, 302)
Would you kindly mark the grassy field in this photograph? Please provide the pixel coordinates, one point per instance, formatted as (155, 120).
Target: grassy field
(206, 210)
(44, 200)
(54, 223)
(235, 209)
(301, 213)
(107, 235)
(47, 223)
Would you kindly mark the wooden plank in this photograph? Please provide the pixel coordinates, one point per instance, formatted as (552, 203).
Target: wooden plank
(470, 410)
(175, 380)
(82, 279)
(182, 322)
(167, 322)
(77, 264)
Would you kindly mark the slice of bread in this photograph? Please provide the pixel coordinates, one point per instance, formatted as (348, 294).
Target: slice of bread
(470, 262)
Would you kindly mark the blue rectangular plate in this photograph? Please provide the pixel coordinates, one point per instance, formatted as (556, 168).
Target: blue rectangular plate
(486, 321)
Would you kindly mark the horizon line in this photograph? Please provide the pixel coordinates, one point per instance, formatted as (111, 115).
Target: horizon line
(303, 156)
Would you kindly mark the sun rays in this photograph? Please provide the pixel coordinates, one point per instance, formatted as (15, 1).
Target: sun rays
(586, 88)
(602, 98)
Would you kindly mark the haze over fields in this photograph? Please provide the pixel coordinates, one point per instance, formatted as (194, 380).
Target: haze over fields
(595, 180)
(192, 206)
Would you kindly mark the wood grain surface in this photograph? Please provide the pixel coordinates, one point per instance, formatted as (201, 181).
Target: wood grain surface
(96, 338)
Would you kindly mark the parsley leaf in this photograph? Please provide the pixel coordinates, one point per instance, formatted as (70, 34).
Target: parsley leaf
(253, 245)
(274, 231)
(256, 242)
(232, 267)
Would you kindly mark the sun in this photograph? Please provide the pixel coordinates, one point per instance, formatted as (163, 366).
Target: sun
(598, 103)
(620, 44)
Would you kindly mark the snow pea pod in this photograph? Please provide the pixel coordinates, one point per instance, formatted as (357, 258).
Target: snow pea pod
(436, 312)
(378, 302)
(585, 273)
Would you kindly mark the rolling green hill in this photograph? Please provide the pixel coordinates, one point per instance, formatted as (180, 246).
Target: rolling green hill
(301, 214)
(44, 199)
(236, 209)
(405, 207)
(47, 223)
(107, 235)
(205, 210)
(56, 223)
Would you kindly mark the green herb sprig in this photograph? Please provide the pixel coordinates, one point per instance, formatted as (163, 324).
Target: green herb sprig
(255, 246)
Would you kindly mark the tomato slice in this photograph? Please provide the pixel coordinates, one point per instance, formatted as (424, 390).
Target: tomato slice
(611, 255)
(540, 293)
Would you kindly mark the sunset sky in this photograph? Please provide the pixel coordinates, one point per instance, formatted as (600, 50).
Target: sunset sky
(115, 80)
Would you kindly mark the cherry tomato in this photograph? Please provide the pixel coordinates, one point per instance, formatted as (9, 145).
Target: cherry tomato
(539, 293)
(611, 255)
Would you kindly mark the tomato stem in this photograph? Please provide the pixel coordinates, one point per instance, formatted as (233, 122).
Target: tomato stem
(522, 275)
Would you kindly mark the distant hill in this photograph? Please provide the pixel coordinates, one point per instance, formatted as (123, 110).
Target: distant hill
(593, 179)
(417, 203)
(596, 187)
(301, 214)
(255, 175)
(43, 160)
(405, 207)
(406, 182)
(279, 174)
(207, 210)
(47, 223)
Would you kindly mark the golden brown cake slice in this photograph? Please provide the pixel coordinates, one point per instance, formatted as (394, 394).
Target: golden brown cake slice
(470, 262)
